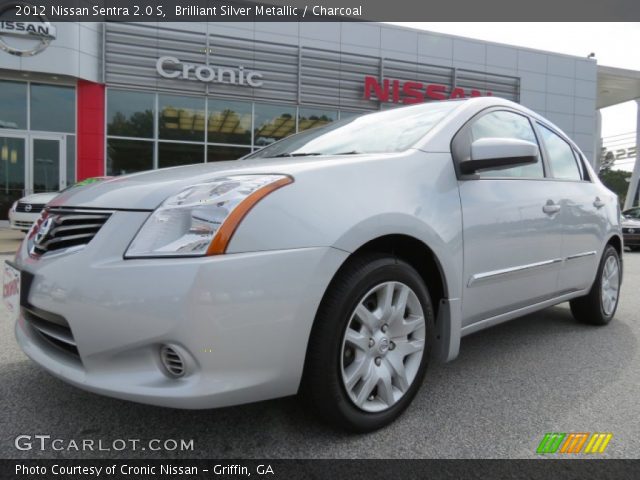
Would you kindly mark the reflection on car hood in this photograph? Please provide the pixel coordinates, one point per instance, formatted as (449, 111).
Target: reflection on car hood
(43, 198)
(147, 190)
(631, 223)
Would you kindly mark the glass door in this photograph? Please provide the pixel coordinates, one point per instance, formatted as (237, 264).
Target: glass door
(13, 154)
(47, 169)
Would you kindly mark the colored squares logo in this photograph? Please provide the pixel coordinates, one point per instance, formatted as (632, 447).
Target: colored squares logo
(581, 442)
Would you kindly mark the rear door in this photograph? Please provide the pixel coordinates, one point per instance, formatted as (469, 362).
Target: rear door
(582, 212)
(511, 226)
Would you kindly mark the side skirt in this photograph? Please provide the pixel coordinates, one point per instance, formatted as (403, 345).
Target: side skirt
(504, 317)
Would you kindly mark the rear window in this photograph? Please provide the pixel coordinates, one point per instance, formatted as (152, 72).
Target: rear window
(561, 157)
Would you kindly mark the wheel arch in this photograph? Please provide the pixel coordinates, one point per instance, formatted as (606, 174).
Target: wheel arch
(616, 242)
(428, 265)
(417, 254)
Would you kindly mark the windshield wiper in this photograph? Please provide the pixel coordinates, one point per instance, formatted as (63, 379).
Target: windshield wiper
(313, 154)
(301, 154)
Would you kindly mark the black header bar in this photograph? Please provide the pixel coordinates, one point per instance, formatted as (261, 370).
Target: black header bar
(319, 10)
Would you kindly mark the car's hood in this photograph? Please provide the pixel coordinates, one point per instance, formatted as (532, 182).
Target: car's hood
(631, 223)
(147, 190)
(38, 198)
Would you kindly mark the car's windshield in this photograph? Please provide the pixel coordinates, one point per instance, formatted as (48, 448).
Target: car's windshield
(380, 132)
(632, 213)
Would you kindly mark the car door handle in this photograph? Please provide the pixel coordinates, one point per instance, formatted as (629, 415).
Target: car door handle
(550, 208)
(598, 203)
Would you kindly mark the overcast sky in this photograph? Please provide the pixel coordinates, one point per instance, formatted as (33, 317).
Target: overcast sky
(615, 45)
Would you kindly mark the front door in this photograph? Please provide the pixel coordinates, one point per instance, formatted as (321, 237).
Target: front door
(511, 227)
(47, 168)
(512, 247)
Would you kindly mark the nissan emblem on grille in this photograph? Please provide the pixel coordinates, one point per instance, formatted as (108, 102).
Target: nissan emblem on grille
(42, 232)
(60, 229)
(27, 207)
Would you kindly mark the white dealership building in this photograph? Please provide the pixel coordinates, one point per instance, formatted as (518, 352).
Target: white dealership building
(87, 99)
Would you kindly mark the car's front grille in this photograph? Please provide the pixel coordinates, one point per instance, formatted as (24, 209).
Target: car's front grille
(52, 328)
(635, 230)
(60, 228)
(26, 207)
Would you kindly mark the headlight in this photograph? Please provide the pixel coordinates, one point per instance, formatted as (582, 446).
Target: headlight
(201, 219)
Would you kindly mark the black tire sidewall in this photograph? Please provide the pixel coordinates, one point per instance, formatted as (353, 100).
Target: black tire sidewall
(358, 282)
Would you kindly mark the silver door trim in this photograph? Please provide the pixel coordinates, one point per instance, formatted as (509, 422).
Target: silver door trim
(479, 277)
(581, 255)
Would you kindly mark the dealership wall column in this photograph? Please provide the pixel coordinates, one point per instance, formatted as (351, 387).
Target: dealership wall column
(597, 155)
(632, 193)
(91, 128)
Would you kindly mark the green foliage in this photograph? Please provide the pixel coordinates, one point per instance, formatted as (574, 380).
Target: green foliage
(617, 181)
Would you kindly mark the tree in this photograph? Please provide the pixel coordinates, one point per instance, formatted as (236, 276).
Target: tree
(617, 181)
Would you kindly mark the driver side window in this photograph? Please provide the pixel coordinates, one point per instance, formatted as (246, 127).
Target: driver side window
(503, 124)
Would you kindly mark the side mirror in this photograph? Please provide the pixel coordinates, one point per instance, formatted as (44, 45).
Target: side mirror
(499, 153)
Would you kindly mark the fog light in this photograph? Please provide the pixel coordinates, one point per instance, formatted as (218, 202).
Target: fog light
(172, 361)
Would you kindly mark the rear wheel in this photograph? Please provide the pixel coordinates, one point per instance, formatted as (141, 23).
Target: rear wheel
(599, 306)
(370, 345)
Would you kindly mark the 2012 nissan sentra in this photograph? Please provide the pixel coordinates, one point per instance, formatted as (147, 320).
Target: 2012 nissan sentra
(334, 263)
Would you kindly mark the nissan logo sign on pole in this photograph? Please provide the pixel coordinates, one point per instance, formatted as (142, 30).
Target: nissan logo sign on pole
(171, 67)
(25, 39)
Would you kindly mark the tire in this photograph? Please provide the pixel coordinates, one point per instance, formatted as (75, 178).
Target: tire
(332, 358)
(593, 309)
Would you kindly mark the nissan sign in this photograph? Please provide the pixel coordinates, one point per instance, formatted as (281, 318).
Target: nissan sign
(397, 91)
(25, 39)
(171, 67)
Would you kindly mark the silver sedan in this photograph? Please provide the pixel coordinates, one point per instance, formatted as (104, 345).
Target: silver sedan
(335, 263)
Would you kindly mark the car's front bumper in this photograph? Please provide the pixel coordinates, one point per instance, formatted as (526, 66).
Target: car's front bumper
(243, 320)
(631, 239)
(22, 220)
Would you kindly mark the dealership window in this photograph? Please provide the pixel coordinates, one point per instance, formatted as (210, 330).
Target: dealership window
(128, 156)
(13, 105)
(12, 157)
(130, 114)
(181, 118)
(190, 129)
(229, 122)
(176, 154)
(217, 153)
(312, 118)
(273, 122)
(561, 158)
(504, 124)
(344, 114)
(53, 108)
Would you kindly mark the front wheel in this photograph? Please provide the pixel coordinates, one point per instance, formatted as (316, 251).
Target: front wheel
(370, 344)
(599, 306)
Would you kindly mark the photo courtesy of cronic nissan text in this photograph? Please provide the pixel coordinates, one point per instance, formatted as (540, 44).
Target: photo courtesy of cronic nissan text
(290, 240)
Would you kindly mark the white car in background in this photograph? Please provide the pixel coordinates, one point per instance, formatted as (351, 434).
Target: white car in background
(24, 212)
(334, 262)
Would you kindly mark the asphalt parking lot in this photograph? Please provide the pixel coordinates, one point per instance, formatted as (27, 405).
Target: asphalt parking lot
(510, 385)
